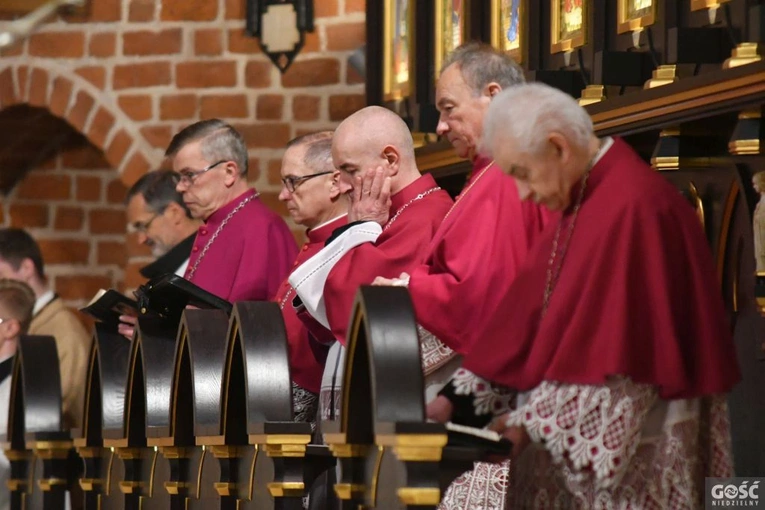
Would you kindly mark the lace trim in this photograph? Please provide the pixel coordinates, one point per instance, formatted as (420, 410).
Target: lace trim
(434, 353)
(487, 399)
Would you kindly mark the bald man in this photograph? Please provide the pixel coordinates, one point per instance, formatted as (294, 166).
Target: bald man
(393, 213)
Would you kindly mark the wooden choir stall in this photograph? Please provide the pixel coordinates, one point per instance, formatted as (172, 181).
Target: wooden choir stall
(200, 416)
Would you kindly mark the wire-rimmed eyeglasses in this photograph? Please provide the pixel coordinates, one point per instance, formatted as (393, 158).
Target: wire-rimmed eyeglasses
(291, 183)
(187, 176)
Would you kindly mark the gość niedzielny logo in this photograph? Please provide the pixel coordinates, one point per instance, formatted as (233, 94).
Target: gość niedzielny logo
(732, 495)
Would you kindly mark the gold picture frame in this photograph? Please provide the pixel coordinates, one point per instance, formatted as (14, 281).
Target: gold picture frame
(446, 37)
(398, 49)
(635, 15)
(568, 27)
(508, 27)
(697, 5)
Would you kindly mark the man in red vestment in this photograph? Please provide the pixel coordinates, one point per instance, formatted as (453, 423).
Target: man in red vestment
(243, 251)
(309, 189)
(614, 331)
(481, 243)
(394, 212)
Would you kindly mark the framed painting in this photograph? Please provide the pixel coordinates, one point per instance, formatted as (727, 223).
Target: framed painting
(398, 49)
(508, 27)
(451, 25)
(697, 5)
(568, 24)
(635, 14)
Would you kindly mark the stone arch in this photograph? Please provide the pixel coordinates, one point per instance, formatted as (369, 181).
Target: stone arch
(87, 109)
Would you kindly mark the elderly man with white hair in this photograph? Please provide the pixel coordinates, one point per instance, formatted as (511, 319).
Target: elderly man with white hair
(619, 343)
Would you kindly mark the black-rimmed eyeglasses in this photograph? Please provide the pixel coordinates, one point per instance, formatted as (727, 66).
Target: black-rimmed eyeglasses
(187, 176)
(291, 183)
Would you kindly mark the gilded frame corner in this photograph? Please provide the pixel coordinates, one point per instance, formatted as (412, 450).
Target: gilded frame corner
(392, 90)
(496, 30)
(439, 51)
(626, 24)
(698, 5)
(559, 44)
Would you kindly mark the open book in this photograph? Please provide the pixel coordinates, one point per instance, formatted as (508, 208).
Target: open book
(168, 295)
(487, 440)
(107, 305)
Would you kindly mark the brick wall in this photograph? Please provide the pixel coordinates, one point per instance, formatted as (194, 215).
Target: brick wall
(130, 74)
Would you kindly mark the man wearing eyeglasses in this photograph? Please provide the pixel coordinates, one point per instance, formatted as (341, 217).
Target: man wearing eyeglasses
(243, 250)
(313, 199)
(157, 214)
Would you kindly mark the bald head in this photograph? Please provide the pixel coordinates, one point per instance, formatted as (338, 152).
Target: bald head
(375, 137)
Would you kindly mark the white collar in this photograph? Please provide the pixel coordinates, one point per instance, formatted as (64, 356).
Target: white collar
(604, 146)
(43, 300)
(330, 221)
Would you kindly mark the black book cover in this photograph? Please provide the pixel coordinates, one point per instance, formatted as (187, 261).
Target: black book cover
(169, 294)
(107, 305)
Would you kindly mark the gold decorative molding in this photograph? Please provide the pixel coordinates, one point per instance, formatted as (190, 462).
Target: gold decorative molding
(666, 155)
(743, 54)
(745, 140)
(286, 489)
(662, 75)
(592, 94)
(419, 496)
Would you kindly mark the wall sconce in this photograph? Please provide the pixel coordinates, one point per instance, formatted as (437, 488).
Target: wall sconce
(280, 25)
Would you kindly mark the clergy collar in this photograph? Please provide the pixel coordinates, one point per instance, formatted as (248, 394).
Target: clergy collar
(321, 233)
(217, 217)
(421, 185)
(170, 261)
(43, 300)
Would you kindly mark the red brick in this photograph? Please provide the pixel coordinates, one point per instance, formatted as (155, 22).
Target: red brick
(112, 253)
(134, 249)
(355, 6)
(234, 9)
(270, 107)
(311, 44)
(15, 50)
(343, 105)
(81, 287)
(274, 172)
(208, 42)
(2, 216)
(133, 277)
(136, 166)
(102, 45)
(325, 8)
(105, 10)
(177, 107)
(84, 157)
(136, 107)
(118, 147)
(185, 10)
(306, 108)
(88, 189)
(69, 218)
(312, 73)
(240, 42)
(141, 75)
(271, 200)
(57, 44)
(28, 215)
(270, 135)
(142, 10)
(116, 192)
(60, 96)
(7, 92)
(22, 76)
(100, 127)
(43, 186)
(157, 136)
(346, 36)
(145, 42)
(64, 251)
(38, 88)
(107, 221)
(253, 169)
(234, 106)
(79, 112)
(94, 74)
(257, 74)
(205, 74)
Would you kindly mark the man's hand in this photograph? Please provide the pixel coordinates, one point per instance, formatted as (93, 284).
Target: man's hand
(126, 327)
(370, 198)
(401, 281)
(516, 434)
(440, 409)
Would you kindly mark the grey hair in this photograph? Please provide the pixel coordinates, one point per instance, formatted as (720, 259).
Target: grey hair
(220, 141)
(318, 152)
(528, 113)
(759, 180)
(482, 64)
(158, 190)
